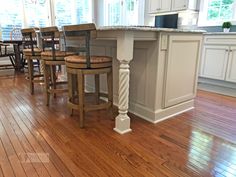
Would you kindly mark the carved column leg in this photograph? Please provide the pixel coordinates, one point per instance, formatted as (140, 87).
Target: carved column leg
(125, 55)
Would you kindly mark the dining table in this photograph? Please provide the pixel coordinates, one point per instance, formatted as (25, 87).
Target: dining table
(18, 60)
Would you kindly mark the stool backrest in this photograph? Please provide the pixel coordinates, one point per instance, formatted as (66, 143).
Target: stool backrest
(50, 38)
(29, 38)
(81, 35)
(15, 34)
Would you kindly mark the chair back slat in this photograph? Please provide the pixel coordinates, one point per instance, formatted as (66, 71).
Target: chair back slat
(29, 39)
(50, 38)
(79, 36)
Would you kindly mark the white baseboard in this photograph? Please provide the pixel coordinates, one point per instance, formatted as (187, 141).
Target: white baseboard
(153, 116)
(220, 87)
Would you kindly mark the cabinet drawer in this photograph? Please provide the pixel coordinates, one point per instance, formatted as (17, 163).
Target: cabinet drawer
(220, 39)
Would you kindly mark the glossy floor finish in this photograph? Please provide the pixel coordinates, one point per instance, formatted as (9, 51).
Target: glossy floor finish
(39, 141)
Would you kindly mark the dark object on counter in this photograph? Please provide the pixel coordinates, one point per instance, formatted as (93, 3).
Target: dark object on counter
(166, 21)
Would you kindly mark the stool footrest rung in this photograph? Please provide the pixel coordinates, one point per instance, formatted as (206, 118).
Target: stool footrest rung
(90, 107)
(57, 90)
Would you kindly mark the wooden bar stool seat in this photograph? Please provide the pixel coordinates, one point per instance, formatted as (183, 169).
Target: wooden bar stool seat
(95, 61)
(52, 57)
(28, 52)
(78, 66)
(59, 55)
(31, 53)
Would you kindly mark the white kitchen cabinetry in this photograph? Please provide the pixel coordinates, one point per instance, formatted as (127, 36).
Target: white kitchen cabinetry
(159, 6)
(231, 69)
(179, 5)
(182, 66)
(214, 61)
(219, 58)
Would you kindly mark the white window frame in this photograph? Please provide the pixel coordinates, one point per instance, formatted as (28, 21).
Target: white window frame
(123, 14)
(202, 20)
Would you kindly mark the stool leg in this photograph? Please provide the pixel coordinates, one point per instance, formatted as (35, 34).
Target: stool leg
(53, 78)
(46, 81)
(81, 97)
(110, 89)
(70, 90)
(97, 88)
(31, 75)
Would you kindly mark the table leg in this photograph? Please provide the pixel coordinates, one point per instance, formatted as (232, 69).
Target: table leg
(18, 64)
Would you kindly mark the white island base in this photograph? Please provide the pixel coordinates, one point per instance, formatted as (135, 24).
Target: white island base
(154, 71)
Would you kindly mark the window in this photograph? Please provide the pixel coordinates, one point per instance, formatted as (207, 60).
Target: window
(123, 12)
(36, 13)
(215, 12)
(72, 12)
(40, 13)
(10, 17)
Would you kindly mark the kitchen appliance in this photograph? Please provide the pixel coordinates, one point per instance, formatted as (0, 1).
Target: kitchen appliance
(166, 21)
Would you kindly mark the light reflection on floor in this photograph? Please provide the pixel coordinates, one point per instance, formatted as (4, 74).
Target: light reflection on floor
(204, 149)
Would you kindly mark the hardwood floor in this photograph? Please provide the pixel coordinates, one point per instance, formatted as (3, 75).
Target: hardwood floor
(39, 141)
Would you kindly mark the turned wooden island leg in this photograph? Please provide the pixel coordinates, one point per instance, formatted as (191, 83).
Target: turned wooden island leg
(125, 43)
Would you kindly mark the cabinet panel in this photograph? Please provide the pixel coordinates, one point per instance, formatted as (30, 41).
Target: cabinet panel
(231, 69)
(181, 71)
(158, 6)
(179, 4)
(154, 6)
(214, 61)
(165, 5)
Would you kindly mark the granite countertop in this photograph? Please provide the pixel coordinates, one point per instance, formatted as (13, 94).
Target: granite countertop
(220, 33)
(147, 28)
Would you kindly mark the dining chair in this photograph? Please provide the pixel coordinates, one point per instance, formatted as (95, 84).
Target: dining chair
(78, 38)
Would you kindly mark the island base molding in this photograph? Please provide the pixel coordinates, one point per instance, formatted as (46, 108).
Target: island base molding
(158, 115)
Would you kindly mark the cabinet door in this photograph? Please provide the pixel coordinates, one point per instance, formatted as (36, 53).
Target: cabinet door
(214, 61)
(179, 5)
(157, 6)
(231, 69)
(181, 70)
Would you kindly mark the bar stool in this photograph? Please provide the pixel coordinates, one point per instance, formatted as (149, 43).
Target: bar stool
(52, 57)
(31, 53)
(78, 66)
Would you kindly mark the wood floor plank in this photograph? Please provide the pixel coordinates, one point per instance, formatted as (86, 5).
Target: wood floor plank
(200, 142)
(21, 153)
(1, 172)
(6, 167)
(39, 145)
(12, 156)
(32, 147)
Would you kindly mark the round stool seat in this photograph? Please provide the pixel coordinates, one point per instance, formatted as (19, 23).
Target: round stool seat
(59, 55)
(79, 61)
(28, 52)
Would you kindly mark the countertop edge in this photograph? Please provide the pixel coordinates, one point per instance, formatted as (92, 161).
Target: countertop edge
(129, 28)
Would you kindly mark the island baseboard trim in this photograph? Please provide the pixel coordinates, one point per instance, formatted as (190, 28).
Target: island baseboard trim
(173, 115)
(154, 116)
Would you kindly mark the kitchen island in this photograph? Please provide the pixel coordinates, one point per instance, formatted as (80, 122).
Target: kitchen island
(155, 71)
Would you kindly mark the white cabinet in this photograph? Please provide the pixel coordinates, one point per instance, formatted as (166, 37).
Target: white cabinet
(182, 66)
(214, 61)
(159, 6)
(231, 69)
(219, 58)
(179, 5)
